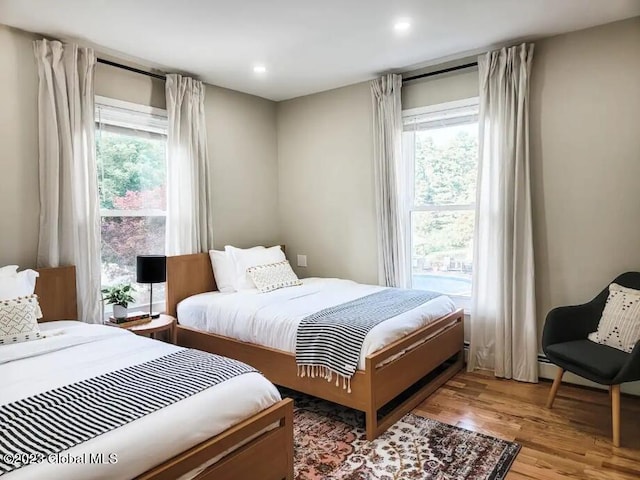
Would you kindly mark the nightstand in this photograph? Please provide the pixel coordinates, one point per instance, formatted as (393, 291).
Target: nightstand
(164, 323)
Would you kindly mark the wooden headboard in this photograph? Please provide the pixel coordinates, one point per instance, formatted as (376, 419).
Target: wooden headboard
(56, 290)
(189, 275)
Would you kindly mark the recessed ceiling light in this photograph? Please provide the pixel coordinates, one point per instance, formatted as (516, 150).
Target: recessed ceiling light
(260, 69)
(402, 26)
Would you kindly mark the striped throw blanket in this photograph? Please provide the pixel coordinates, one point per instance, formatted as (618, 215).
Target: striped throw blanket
(53, 421)
(330, 341)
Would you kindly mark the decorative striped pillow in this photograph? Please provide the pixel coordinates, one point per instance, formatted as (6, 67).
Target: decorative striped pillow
(619, 326)
(19, 319)
(273, 276)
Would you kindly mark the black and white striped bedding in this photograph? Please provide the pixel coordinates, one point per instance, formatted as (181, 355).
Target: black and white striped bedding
(72, 352)
(329, 342)
(56, 420)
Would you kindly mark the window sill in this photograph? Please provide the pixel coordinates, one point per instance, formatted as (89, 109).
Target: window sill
(158, 306)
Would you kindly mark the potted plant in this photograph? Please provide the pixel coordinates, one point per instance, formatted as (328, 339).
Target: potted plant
(120, 296)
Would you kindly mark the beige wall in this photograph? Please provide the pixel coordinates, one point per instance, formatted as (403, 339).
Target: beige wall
(241, 141)
(585, 156)
(440, 89)
(132, 87)
(327, 206)
(310, 160)
(243, 150)
(19, 199)
(325, 146)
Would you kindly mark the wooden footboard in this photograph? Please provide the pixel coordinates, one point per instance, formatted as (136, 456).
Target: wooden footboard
(388, 372)
(438, 347)
(268, 456)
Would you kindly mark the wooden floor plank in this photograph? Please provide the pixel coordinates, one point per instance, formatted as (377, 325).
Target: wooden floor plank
(572, 440)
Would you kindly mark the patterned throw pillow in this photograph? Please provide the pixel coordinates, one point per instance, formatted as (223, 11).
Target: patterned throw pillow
(619, 326)
(273, 276)
(19, 320)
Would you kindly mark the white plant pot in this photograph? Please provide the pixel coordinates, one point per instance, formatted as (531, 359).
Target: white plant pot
(119, 311)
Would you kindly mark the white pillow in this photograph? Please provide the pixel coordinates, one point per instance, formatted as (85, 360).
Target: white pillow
(245, 259)
(19, 320)
(619, 325)
(273, 276)
(21, 284)
(224, 269)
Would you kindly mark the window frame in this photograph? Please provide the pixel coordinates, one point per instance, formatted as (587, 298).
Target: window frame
(156, 123)
(161, 113)
(439, 112)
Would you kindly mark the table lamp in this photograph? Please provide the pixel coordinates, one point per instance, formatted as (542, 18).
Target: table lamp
(151, 269)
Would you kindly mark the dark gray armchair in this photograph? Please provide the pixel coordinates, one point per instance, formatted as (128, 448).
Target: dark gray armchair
(565, 343)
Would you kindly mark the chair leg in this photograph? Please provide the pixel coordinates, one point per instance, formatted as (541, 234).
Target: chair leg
(615, 414)
(554, 387)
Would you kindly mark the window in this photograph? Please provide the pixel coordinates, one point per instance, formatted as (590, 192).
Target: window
(131, 145)
(440, 145)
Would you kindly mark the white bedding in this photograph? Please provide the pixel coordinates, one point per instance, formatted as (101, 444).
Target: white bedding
(75, 351)
(271, 319)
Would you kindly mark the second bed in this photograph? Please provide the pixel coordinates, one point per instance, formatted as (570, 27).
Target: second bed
(402, 361)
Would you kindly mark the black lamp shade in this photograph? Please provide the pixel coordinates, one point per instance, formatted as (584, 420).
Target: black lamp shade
(151, 268)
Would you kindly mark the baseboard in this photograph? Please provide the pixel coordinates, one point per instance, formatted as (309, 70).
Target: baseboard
(548, 370)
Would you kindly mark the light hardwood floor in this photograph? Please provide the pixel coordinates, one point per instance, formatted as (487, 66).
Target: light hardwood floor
(573, 440)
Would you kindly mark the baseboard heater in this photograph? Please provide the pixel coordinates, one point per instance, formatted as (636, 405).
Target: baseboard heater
(547, 370)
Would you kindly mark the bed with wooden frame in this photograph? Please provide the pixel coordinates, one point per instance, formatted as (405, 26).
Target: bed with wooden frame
(269, 454)
(406, 379)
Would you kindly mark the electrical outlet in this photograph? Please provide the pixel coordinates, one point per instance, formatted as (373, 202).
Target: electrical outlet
(302, 260)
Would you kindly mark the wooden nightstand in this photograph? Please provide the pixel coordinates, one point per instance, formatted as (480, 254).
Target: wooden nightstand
(164, 323)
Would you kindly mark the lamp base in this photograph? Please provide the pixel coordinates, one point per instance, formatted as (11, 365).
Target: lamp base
(152, 314)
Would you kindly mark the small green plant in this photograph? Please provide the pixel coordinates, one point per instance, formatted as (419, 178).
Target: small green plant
(118, 295)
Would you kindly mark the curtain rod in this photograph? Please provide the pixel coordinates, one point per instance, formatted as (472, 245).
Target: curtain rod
(132, 69)
(408, 79)
(440, 72)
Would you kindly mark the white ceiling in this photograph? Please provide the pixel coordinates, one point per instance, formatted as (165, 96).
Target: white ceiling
(306, 45)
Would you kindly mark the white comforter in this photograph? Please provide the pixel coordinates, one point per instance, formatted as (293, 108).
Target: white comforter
(271, 319)
(75, 351)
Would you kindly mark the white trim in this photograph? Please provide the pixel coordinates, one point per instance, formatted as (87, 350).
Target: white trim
(136, 107)
(408, 157)
(147, 212)
(548, 371)
(441, 107)
(157, 306)
(462, 301)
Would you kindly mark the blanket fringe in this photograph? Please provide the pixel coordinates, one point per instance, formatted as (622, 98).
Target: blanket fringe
(326, 373)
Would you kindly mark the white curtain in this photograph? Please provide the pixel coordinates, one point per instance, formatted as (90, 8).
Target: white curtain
(503, 315)
(387, 158)
(189, 222)
(69, 211)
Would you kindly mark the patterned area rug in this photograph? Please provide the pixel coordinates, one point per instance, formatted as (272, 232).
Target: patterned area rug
(330, 443)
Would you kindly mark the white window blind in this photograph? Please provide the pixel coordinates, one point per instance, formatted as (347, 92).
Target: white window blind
(125, 115)
(440, 116)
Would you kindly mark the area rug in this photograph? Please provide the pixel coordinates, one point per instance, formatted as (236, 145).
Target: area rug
(330, 443)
